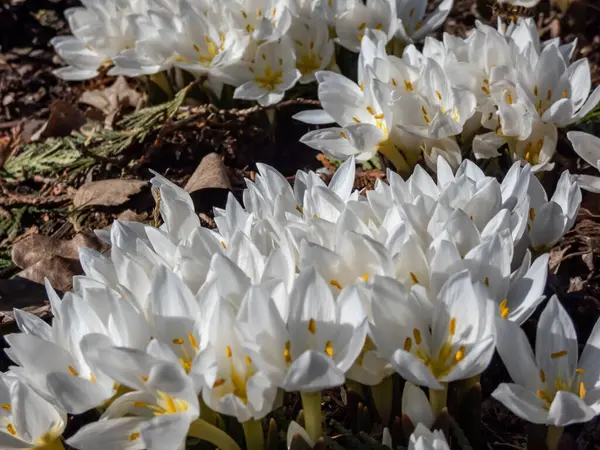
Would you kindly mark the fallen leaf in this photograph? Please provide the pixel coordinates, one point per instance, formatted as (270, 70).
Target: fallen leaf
(112, 100)
(210, 173)
(64, 118)
(36, 247)
(107, 192)
(59, 271)
(131, 216)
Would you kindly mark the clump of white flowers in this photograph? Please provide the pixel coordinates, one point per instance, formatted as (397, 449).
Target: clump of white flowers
(309, 287)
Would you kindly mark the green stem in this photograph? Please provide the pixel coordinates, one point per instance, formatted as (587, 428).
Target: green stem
(161, 80)
(253, 432)
(54, 445)
(438, 399)
(553, 436)
(383, 395)
(206, 413)
(355, 386)
(311, 403)
(201, 429)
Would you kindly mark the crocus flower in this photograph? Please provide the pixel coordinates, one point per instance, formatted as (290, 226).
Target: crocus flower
(554, 387)
(424, 439)
(587, 146)
(413, 25)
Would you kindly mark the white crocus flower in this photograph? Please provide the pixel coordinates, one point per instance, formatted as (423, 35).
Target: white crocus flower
(554, 387)
(233, 385)
(313, 47)
(412, 25)
(27, 419)
(352, 24)
(156, 415)
(538, 148)
(587, 146)
(314, 346)
(424, 439)
(269, 75)
(457, 344)
(53, 358)
(263, 20)
(100, 32)
(550, 220)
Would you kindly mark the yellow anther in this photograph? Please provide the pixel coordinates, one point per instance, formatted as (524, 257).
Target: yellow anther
(72, 371)
(274, 11)
(531, 214)
(439, 96)
(460, 354)
(424, 110)
(418, 25)
(249, 28)
(414, 278)
(312, 326)
(548, 95)
(356, 119)
(144, 378)
(299, 209)
(362, 86)
(223, 244)
(336, 283)
(490, 116)
(248, 360)
(134, 436)
(140, 404)
(486, 81)
(193, 341)
(342, 134)
(264, 57)
(196, 48)
(11, 429)
(560, 354)
(535, 90)
(378, 116)
(411, 12)
(582, 390)
(244, 14)
(579, 371)
(218, 382)
(394, 81)
(6, 406)
(452, 326)
(486, 280)
(228, 351)
(286, 352)
(362, 26)
(565, 93)
(509, 99)
(542, 376)
(251, 69)
(408, 85)
(504, 309)
(379, 26)
(370, 109)
(178, 341)
(259, 12)
(407, 344)
(329, 349)
(486, 90)
(417, 335)
(365, 277)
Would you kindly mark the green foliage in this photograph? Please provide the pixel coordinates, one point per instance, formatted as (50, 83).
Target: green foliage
(79, 152)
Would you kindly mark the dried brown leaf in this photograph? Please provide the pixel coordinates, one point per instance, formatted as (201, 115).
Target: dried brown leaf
(210, 173)
(64, 118)
(107, 192)
(59, 271)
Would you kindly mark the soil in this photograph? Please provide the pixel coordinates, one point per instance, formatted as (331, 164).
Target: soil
(43, 204)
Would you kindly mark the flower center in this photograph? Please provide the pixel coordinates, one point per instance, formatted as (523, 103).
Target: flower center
(270, 79)
(574, 385)
(187, 350)
(166, 405)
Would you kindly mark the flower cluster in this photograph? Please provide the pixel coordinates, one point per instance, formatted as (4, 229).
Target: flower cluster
(301, 289)
(262, 47)
(495, 89)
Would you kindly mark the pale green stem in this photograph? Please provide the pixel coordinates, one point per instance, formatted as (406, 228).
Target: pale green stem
(311, 403)
(438, 399)
(206, 413)
(253, 432)
(55, 445)
(553, 436)
(383, 395)
(203, 430)
(354, 386)
(467, 384)
(161, 80)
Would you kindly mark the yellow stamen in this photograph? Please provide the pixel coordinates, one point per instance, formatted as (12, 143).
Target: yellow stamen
(504, 309)
(378, 116)
(329, 349)
(336, 283)
(312, 326)
(11, 429)
(411, 12)
(140, 404)
(509, 99)
(548, 95)
(460, 354)
(452, 326)
(134, 436)
(417, 335)
(394, 81)
(362, 26)
(565, 93)
(535, 90)
(486, 90)
(178, 341)
(223, 244)
(228, 351)
(560, 354)
(579, 371)
(286, 352)
(144, 378)
(356, 119)
(408, 85)
(407, 344)
(379, 26)
(218, 383)
(582, 390)
(72, 371)
(414, 278)
(342, 134)
(6, 406)
(370, 110)
(259, 12)
(365, 277)
(486, 280)
(248, 360)
(196, 48)
(531, 214)
(193, 341)
(439, 96)
(542, 376)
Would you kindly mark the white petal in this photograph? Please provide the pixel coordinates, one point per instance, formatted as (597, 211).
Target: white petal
(522, 402)
(415, 405)
(567, 408)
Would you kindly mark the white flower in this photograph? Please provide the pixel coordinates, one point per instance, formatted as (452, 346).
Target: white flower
(587, 146)
(554, 387)
(269, 75)
(352, 24)
(550, 220)
(314, 346)
(412, 23)
(424, 439)
(313, 47)
(27, 419)
(156, 415)
(416, 406)
(263, 20)
(456, 343)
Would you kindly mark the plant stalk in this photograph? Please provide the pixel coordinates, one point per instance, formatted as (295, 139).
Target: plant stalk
(206, 413)
(54, 445)
(201, 429)
(383, 395)
(553, 436)
(253, 432)
(311, 403)
(438, 399)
